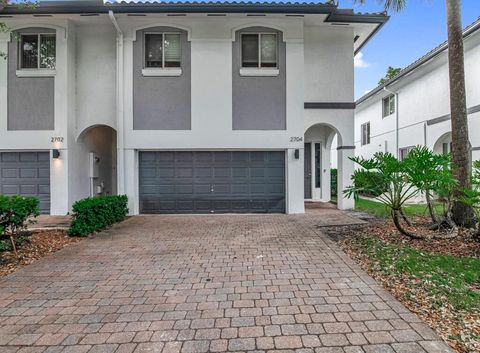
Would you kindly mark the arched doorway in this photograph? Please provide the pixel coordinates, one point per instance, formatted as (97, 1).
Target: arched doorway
(318, 160)
(444, 144)
(98, 156)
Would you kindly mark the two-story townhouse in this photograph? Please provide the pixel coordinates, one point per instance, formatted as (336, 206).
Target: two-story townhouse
(413, 107)
(184, 107)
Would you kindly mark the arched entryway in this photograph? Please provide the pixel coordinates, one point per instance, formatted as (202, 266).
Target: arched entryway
(98, 155)
(444, 144)
(318, 165)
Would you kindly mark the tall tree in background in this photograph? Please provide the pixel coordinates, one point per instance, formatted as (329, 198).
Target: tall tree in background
(461, 148)
(391, 73)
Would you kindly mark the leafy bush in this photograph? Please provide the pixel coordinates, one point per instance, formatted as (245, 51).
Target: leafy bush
(369, 183)
(16, 212)
(333, 181)
(96, 213)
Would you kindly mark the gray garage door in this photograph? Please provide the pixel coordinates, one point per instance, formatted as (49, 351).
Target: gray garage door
(28, 174)
(212, 182)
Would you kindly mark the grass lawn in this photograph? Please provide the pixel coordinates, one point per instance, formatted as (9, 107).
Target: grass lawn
(454, 280)
(380, 210)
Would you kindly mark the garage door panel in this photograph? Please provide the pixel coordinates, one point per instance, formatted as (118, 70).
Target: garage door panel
(9, 173)
(28, 174)
(204, 182)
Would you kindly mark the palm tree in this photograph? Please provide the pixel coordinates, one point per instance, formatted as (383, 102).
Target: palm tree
(461, 148)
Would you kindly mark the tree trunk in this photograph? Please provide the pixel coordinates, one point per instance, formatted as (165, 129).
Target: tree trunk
(431, 208)
(397, 216)
(461, 147)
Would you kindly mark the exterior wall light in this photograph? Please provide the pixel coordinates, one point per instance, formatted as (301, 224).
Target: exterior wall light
(56, 153)
(297, 154)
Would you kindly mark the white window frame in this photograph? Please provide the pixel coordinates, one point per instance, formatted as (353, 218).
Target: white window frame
(406, 150)
(365, 138)
(161, 71)
(259, 70)
(34, 71)
(389, 98)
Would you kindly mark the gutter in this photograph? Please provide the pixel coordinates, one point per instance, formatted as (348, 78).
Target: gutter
(120, 107)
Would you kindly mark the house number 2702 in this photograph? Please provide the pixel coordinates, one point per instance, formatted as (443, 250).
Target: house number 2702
(296, 139)
(57, 139)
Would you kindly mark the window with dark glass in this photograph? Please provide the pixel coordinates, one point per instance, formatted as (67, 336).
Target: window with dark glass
(259, 50)
(162, 50)
(365, 134)
(388, 105)
(37, 51)
(318, 165)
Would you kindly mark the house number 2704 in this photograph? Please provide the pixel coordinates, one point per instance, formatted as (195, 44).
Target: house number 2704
(296, 139)
(57, 139)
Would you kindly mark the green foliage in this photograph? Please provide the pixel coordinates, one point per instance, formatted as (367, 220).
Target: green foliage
(471, 196)
(16, 212)
(334, 181)
(447, 279)
(391, 73)
(96, 213)
(369, 183)
(383, 169)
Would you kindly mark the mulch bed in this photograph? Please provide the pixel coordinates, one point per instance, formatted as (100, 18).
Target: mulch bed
(36, 245)
(459, 330)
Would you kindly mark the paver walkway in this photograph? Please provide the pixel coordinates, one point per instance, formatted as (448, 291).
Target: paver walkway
(205, 284)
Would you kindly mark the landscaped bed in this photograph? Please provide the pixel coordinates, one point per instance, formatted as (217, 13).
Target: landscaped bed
(32, 246)
(439, 280)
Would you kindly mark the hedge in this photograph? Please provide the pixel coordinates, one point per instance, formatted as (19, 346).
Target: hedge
(96, 213)
(333, 181)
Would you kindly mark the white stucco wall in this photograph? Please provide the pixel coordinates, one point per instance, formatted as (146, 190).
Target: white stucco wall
(423, 95)
(319, 68)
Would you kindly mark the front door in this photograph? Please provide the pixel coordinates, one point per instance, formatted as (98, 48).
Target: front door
(308, 171)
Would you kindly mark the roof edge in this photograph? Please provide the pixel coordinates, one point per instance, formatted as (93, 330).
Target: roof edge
(469, 30)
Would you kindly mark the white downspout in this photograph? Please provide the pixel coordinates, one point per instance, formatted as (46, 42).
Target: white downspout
(120, 108)
(396, 121)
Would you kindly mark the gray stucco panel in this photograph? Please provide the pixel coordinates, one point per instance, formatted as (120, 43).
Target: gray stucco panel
(259, 103)
(161, 103)
(31, 100)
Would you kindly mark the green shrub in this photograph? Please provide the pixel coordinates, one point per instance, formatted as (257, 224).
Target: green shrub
(333, 181)
(369, 183)
(16, 212)
(96, 213)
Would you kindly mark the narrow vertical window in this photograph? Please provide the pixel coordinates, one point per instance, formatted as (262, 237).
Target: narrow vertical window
(388, 105)
(365, 134)
(250, 50)
(318, 165)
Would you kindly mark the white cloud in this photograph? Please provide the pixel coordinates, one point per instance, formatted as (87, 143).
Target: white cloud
(359, 62)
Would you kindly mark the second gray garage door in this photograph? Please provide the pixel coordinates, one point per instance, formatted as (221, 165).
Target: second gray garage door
(27, 174)
(212, 182)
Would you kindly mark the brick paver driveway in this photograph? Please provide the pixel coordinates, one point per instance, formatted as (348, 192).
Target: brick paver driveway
(205, 284)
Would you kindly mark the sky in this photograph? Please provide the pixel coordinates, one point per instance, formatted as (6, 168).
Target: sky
(408, 35)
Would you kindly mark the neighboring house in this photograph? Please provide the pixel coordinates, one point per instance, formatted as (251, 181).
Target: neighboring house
(413, 107)
(184, 107)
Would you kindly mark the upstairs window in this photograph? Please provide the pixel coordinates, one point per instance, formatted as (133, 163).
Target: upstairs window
(162, 50)
(259, 50)
(388, 105)
(37, 51)
(365, 133)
